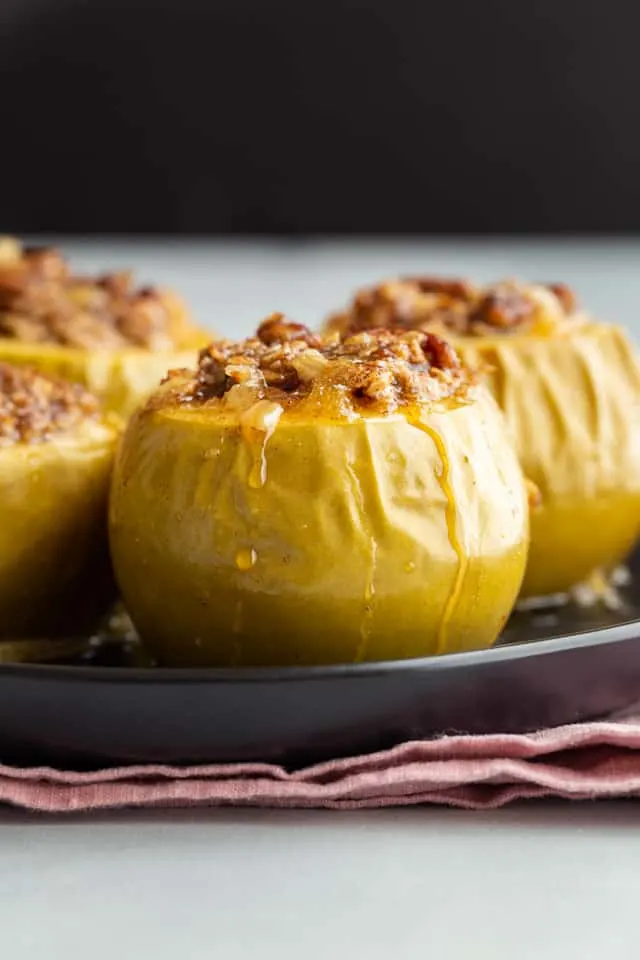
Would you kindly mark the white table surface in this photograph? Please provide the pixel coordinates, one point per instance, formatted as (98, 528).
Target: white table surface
(233, 285)
(544, 880)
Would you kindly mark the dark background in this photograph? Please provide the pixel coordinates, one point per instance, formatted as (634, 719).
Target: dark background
(306, 116)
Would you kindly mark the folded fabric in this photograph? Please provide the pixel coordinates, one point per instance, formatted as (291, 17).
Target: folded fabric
(581, 761)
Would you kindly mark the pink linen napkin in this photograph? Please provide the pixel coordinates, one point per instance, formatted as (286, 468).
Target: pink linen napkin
(580, 761)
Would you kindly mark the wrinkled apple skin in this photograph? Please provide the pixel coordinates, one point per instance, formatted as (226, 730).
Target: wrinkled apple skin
(572, 404)
(330, 541)
(55, 572)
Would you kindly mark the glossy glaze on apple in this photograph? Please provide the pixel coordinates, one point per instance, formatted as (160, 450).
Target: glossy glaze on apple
(298, 500)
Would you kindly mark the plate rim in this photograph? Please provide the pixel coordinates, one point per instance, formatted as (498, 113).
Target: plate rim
(602, 636)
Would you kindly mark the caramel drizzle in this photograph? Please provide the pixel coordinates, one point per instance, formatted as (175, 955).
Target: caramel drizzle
(451, 518)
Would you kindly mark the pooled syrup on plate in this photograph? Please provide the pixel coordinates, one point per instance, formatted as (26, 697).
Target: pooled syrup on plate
(451, 519)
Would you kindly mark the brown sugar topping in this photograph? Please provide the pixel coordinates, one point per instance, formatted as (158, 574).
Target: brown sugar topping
(458, 306)
(34, 407)
(285, 362)
(42, 302)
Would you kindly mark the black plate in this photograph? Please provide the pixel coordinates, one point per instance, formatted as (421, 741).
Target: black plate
(551, 667)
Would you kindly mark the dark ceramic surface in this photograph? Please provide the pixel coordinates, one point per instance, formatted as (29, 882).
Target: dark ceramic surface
(550, 668)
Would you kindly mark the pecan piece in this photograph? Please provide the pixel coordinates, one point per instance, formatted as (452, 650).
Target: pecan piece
(565, 295)
(439, 353)
(502, 308)
(211, 376)
(277, 329)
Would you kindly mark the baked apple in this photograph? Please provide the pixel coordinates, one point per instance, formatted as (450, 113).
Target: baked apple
(102, 332)
(570, 389)
(56, 456)
(295, 500)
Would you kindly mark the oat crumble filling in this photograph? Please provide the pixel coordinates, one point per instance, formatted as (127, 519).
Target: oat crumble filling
(34, 407)
(284, 362)
(41, 301)
(457, 306)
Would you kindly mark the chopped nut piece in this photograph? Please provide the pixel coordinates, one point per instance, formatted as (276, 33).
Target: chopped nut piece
(310, 365)
(277, 329)
(565, 295)
(502, 307)
(379, 368)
